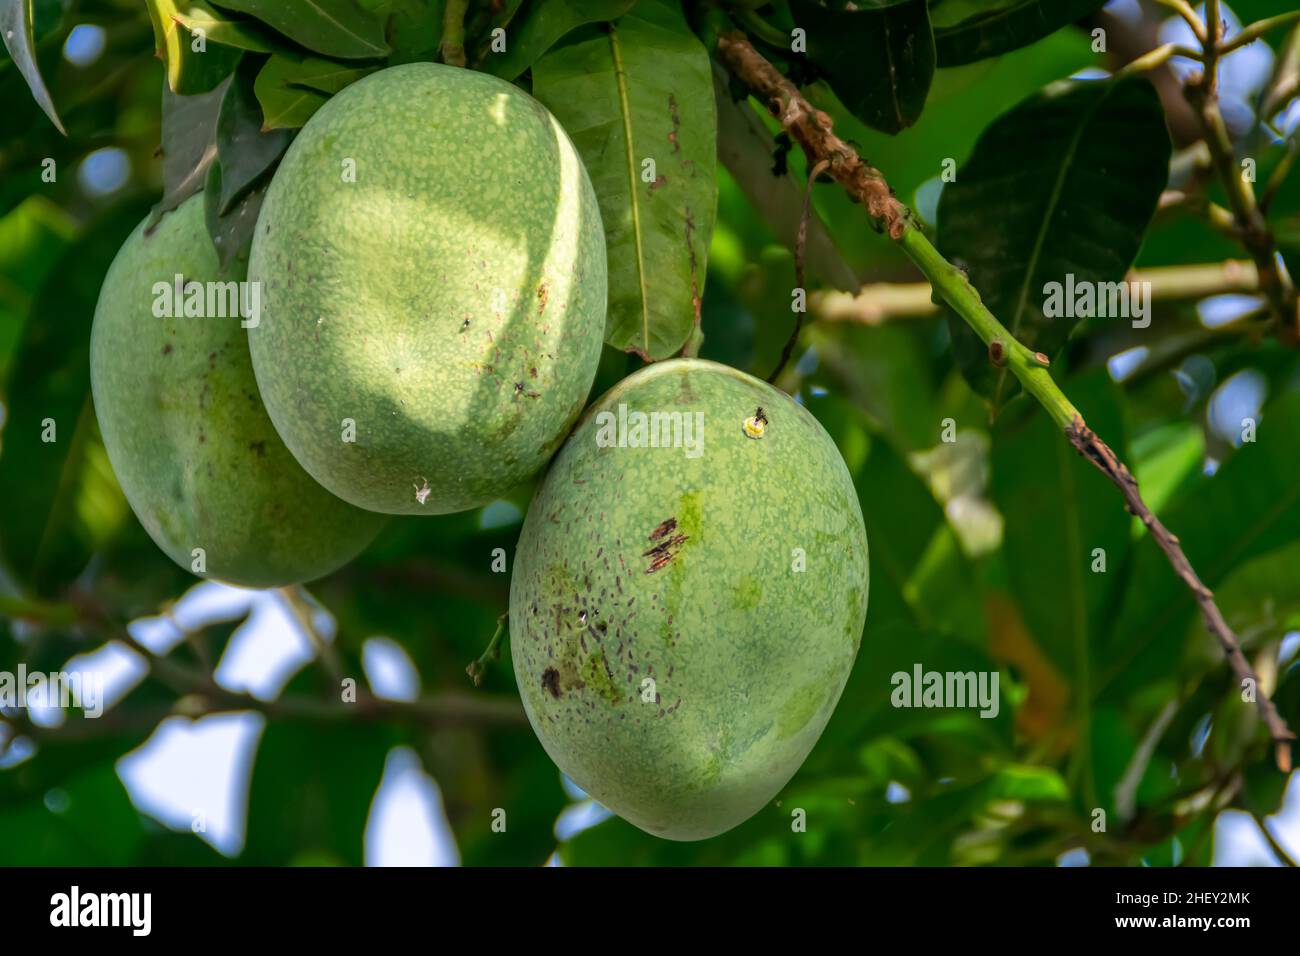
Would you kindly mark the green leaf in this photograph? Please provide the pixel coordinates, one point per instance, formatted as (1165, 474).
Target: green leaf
(338, 28)
(232, 230)
(16, 30)
(1071, 211)
(637, 100)
(244, 151)
(414, 29)
(746, 147)
(1057, 511)
(311, 792)
(189, 144)
(189, 71)
(970, 30)
(61, 499)
(216, 27)
(86, 819)
(285, 89)
(1260, 599)
(879, 59)
(543, 22)
(1248, 508)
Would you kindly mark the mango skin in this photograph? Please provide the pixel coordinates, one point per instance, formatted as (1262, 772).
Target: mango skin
(450, 301)
(193, 449)
(638, 562)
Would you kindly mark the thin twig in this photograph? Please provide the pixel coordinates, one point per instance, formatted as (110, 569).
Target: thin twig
(1184, 10)
(811, 129)
(453, 32)
(1273, 843)
(478, 668)
(1088, 444)
(1257, 29)
(1252, 229)
(800, 244)
(301, 609)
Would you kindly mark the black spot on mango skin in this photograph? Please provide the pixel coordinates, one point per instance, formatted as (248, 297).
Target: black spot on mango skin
(551, 682)
(668, 546)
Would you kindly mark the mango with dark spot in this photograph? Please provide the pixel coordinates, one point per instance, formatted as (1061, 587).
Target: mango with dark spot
(684, 613)
(199, 462)
(467, 251)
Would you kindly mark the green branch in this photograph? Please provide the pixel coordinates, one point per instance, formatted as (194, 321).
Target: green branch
(811, 129)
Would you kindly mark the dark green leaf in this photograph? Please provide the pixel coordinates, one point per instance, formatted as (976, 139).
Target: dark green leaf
(311, 792)
(540, 24)
(637, 99)
(285, 90)
(332, 27)
(244, 151)
(1057, 511)
(62, 501)
(970, 30)
(16, 29)
(189, 144)
(414, 29)
(879, 59)
(86, 819)
(232, 230)
(1071, 210)
(1249, 507)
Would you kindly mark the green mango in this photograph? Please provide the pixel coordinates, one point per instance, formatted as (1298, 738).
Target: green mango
(433, 263)
(186, 433)
(688, 597)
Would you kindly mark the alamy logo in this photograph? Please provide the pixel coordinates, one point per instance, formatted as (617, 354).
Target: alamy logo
(654, 430)
(959, 689)
(133, 910)
(179, 299)
(1075, 299)
(64, 689)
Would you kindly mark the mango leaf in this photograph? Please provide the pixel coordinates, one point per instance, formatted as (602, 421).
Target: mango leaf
(879, 58)
(86, 820)
(245, 152)
(231, 231)
(311, 792)
(414, 29)
(1058, 510)
(1248, 508)
(540, 24)
(242, 34)
(16, 30)
(338, 28)
(970, 30)
(291, 88)
(1070, 212)
(189, 144)
(1260, 599)
(189, 70)
(637, 100)
(62, 501)
(746, 147)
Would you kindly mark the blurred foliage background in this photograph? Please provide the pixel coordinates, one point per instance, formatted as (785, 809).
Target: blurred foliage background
(1114, 697)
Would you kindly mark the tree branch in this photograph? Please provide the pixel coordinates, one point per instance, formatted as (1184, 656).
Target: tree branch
(879, 302)
(811, 129)
(1252, 229)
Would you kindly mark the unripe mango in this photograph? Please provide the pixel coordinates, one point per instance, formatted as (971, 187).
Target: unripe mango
(189, 441)
(434, 270)
(688, 596)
